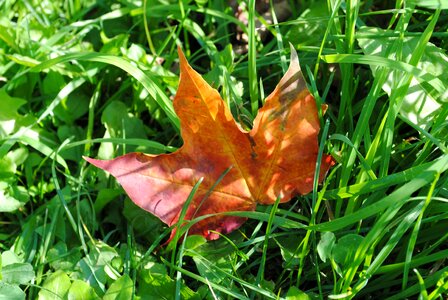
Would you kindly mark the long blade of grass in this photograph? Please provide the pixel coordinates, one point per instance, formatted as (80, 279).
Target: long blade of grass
(267, 236)
(397, 96)
(414, 234)
(376, 185)
(252, 52)
(430, 280)
(391, 64)
(401, 194)
(218, 287)
(145, 79)
(399, 232)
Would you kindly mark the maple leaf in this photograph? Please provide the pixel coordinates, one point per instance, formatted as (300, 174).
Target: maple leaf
(277, 158)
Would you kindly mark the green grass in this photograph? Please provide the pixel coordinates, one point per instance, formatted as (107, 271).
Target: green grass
(97, 78)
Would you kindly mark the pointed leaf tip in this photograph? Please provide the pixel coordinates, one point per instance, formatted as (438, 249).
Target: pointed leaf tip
(88, 159)
(182, 59)
(294, 60)
(96, 162)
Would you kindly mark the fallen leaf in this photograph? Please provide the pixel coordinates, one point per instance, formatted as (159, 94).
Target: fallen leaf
(277, 158)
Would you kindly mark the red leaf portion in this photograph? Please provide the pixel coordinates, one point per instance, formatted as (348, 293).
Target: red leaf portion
(276, 158)
(161, 185)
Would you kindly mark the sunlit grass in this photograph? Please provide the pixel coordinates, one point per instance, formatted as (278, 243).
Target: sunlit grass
(86, 78)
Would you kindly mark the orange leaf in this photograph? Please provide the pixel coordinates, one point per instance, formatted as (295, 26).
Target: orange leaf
(276, 158)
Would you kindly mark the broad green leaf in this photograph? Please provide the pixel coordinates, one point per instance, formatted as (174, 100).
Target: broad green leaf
(345, 249)
(60, 258)
(74, 133)
(306, 33)
(9, 106)
(93, 275)
(18, 156)
(152, 266)
(326, 245)
(159, 286)
(9, 257)
(119, 124)
(8, 203)
(194, 241)
(81, 290)
(53, 83)
(121, 289)
(145, 224)
(8, 112)
(214, 260)
(289, 249)
(11, 292)
(17, 273)
(7, 168)
(136, 53)
(115, 44)
(92, 268)
(34, 139)
(207, 268)
(55, 286)
(71, 108)
(296, 294)
(104, 197)
(6, 35)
